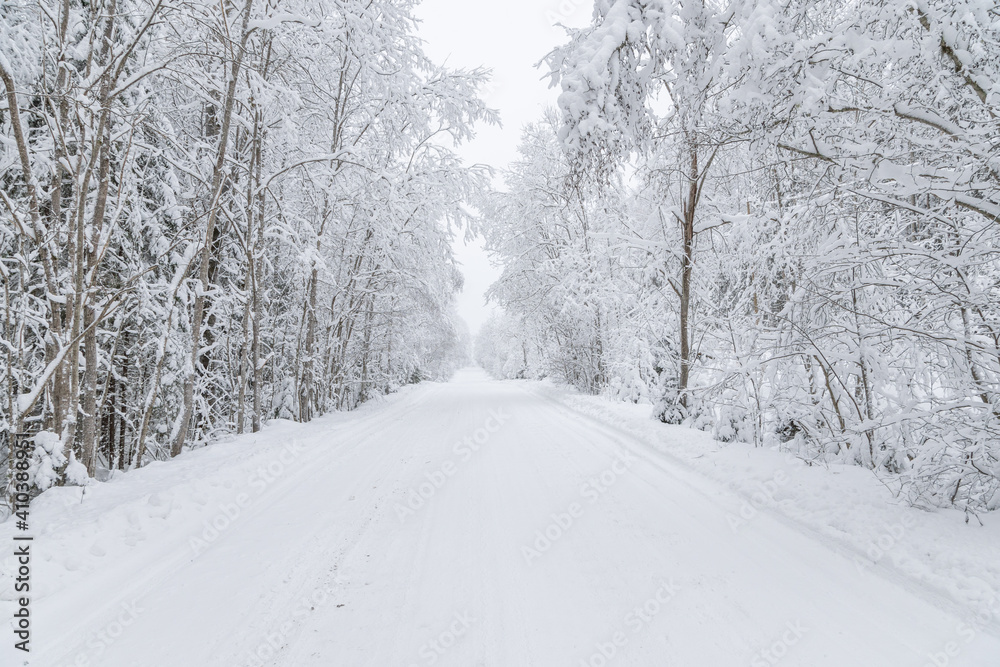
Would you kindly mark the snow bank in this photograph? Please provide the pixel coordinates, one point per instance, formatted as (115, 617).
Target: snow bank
(846, 506)
(82, 530)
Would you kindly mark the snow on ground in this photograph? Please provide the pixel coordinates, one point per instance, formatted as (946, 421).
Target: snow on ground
(956, 562)
(481, 523)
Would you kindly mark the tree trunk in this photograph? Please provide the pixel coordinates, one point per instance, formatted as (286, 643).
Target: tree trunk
(306, 387)
(687, 267)
(206, 258)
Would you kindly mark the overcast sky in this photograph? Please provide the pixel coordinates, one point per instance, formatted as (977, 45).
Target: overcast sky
(508, 36)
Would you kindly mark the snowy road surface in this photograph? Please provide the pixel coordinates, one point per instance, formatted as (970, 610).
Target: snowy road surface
(473, 523)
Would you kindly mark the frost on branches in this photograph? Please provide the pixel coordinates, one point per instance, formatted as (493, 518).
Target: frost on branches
(212, 214)
(779, 222)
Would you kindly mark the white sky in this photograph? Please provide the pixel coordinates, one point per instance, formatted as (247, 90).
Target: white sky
(508, 36)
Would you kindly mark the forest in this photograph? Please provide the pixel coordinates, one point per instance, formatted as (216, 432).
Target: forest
(219, 213)
(503, 333)
(777, 221)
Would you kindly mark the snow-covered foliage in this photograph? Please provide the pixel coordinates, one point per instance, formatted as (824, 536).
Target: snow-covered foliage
(212, 214)
(777, 222)
(504, 350)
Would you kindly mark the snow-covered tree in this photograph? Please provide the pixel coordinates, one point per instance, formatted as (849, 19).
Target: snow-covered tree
(793, 212)
(214, 214)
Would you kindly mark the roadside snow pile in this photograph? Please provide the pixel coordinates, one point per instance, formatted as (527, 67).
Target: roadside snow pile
(81, 529)
(846, 506)
(151, 511)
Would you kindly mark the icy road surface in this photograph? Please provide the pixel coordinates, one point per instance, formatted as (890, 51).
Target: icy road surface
(474, 523)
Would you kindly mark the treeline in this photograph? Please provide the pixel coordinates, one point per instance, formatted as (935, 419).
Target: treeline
(216, 213)
(777, 221)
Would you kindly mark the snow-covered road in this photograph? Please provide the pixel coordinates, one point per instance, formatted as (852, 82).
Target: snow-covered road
(473, 523)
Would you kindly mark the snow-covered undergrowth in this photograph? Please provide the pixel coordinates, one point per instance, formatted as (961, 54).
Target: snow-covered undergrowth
(845, 505)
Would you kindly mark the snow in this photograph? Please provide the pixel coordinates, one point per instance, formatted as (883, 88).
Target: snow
(543, 529)
(47, 458)
(272, 22)
(846, 507)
